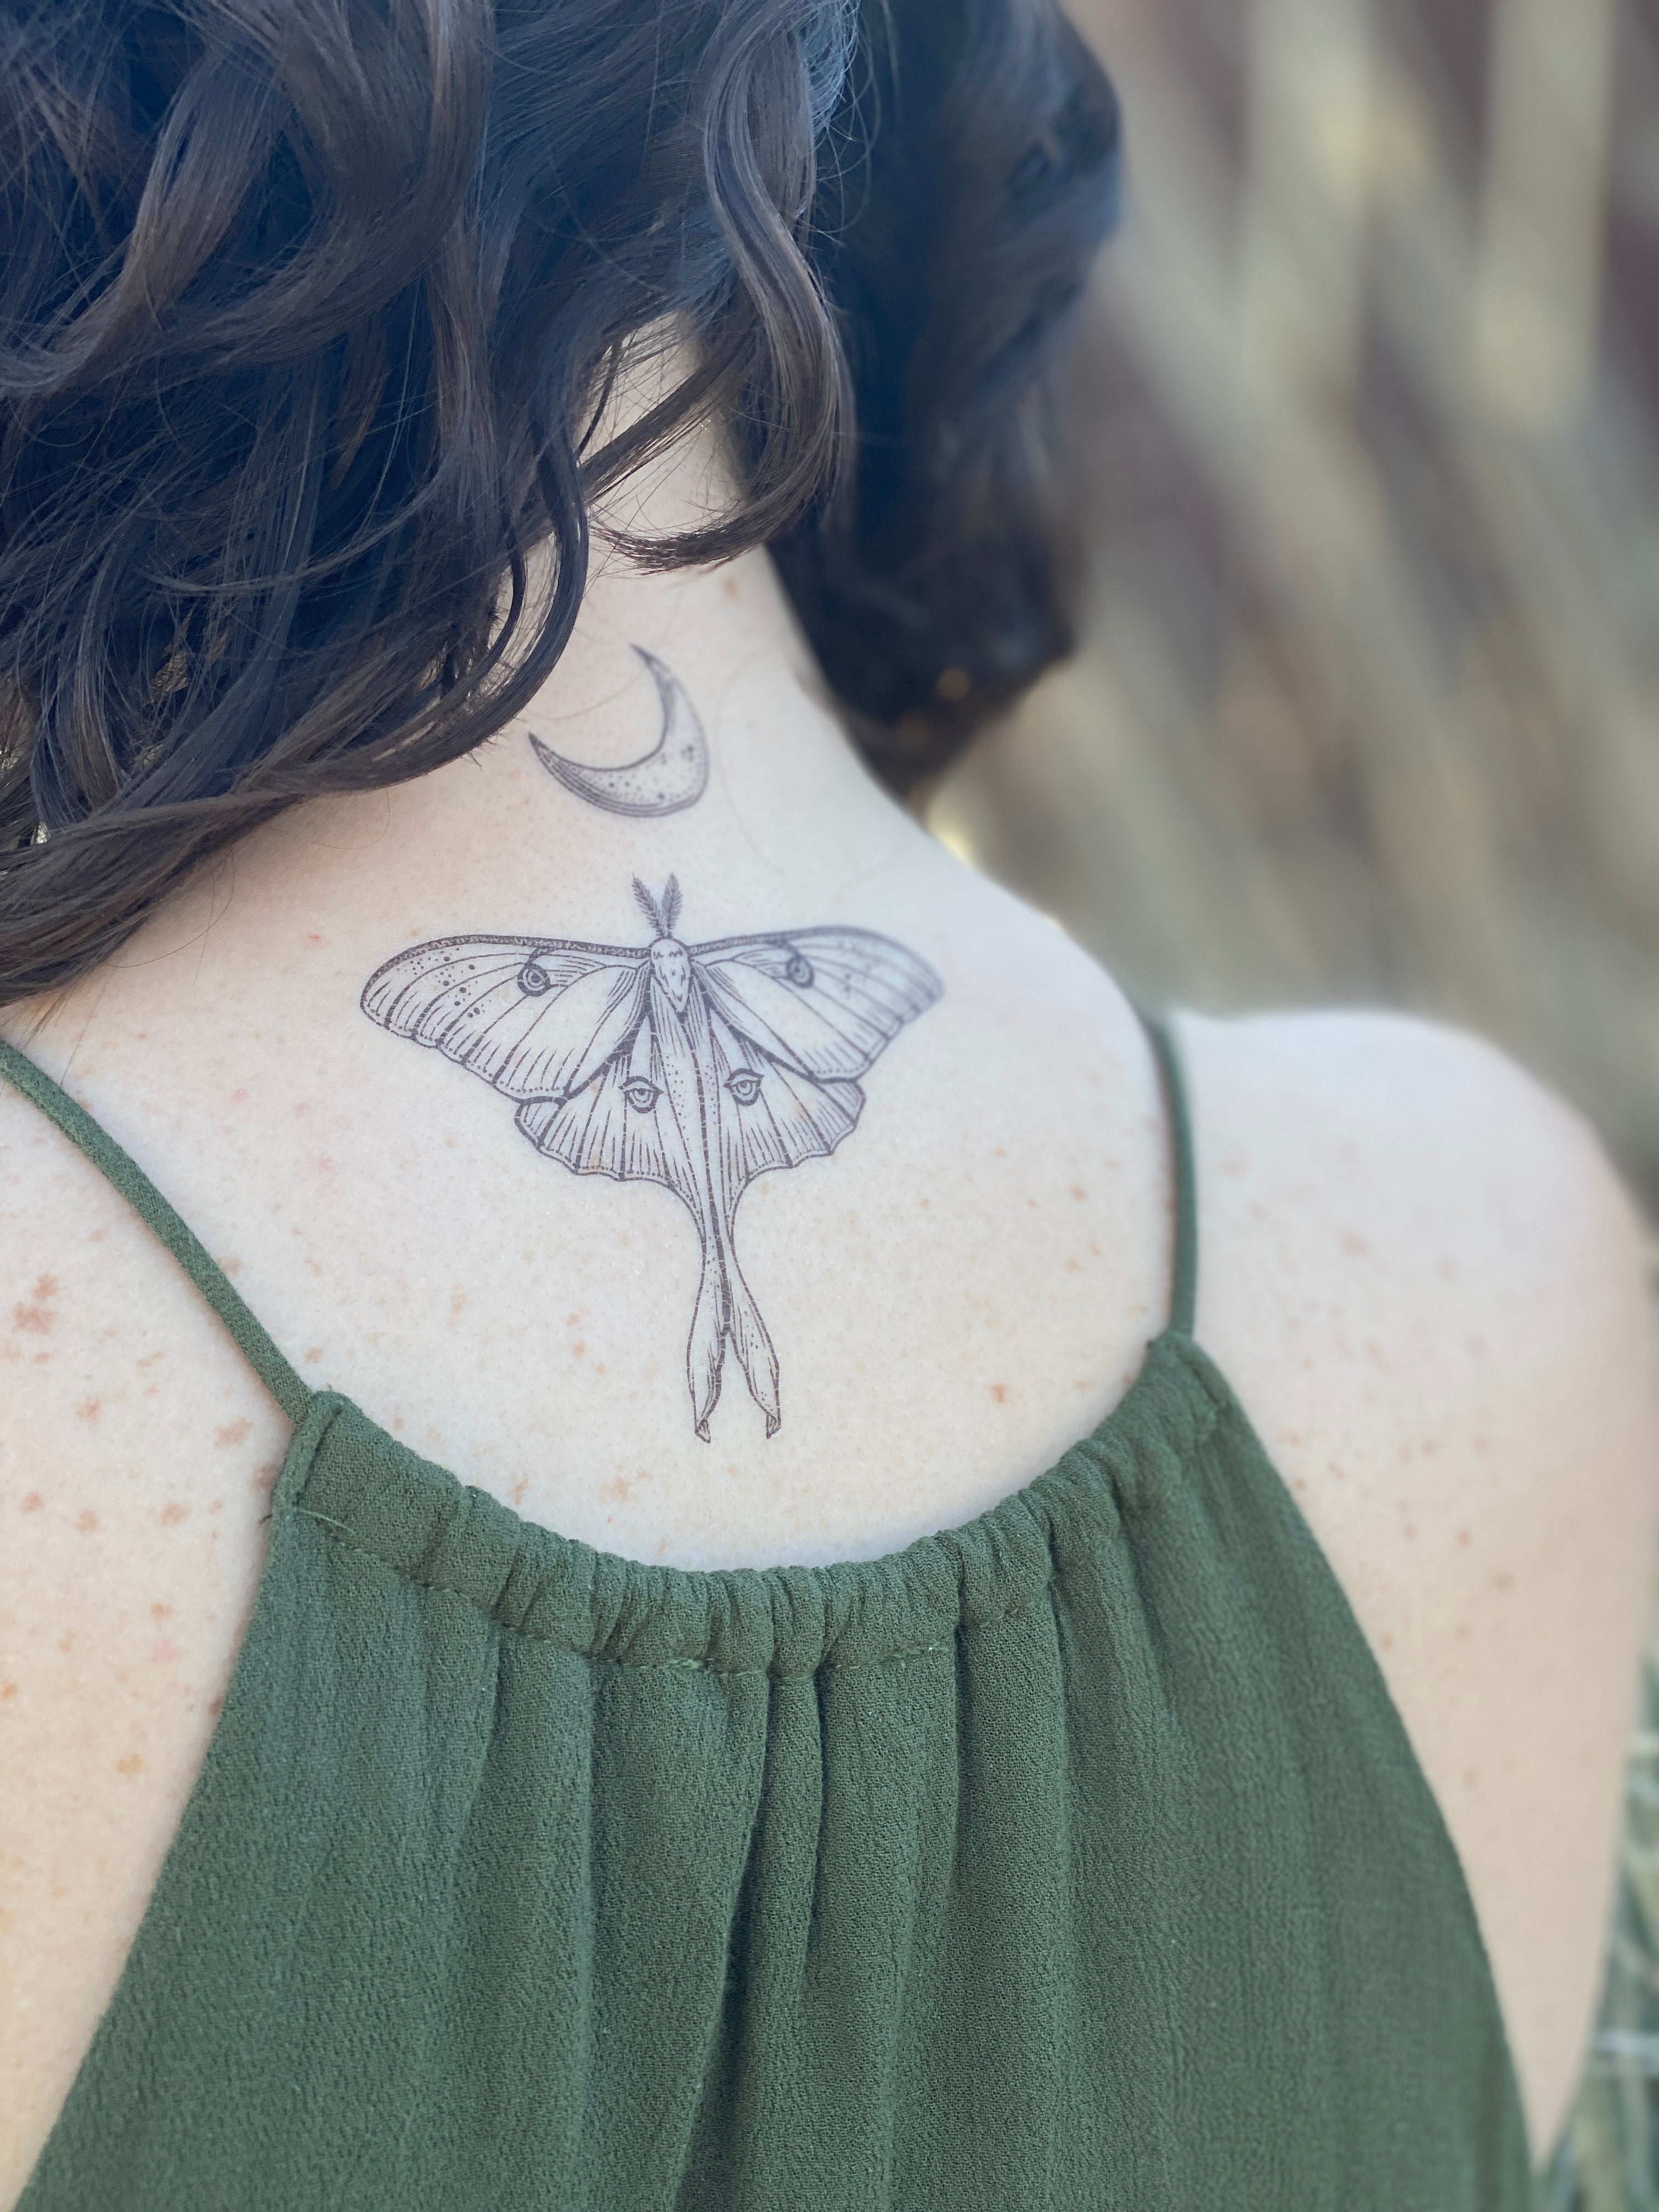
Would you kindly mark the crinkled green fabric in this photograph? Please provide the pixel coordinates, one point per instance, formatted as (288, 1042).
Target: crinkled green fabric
(1071, 1861)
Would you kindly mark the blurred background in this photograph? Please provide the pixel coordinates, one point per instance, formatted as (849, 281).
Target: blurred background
(1365, 441)
(1366, 436)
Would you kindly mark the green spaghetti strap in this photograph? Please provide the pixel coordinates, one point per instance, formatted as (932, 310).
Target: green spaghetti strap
(290, 1391)
(1183, 1290)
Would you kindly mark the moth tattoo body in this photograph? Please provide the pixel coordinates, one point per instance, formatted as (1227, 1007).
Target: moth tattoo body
(699, 1066)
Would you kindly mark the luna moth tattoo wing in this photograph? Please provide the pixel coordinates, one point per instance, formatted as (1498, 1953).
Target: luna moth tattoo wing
(697, 1066)
(672, 776)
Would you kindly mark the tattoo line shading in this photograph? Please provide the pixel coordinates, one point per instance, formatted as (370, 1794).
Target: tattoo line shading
(699, 1066)
(672, 776)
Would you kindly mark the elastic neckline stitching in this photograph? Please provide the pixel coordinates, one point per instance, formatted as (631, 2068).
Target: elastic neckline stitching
(1195, 1361)
(344, 1538)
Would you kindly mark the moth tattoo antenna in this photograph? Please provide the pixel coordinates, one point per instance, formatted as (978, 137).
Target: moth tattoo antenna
(698, 1066)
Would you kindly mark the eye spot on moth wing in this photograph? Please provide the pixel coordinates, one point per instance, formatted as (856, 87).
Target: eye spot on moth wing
(745, 1086)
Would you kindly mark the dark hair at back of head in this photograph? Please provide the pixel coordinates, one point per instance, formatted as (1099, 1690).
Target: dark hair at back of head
(308, 309)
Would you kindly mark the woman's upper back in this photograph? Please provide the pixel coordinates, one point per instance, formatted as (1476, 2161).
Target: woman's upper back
(1417, 1278)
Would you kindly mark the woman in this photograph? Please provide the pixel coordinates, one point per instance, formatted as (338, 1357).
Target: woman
(466, 467)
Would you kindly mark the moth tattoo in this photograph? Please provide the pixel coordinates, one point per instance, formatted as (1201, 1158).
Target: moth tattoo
(699, 1066)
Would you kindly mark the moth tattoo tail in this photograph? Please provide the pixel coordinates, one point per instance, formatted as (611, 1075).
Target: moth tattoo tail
(726, 1308)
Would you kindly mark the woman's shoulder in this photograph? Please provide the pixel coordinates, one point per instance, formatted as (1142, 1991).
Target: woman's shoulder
(1417, 1173)
(1429, 1288)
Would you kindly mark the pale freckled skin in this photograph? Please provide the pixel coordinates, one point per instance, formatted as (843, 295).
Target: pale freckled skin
(89, 1411)
(33, 1503)
(130, 1765)
(87, 1522)
(34, 1316)
(172, 1513)
(232, 1433)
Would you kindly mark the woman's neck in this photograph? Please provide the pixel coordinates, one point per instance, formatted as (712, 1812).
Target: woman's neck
(755, 800)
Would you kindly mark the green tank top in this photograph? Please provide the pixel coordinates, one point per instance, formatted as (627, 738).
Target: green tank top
(1073, 1860)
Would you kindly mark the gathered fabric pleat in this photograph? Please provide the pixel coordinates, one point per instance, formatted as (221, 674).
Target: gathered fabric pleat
(1075, 1859)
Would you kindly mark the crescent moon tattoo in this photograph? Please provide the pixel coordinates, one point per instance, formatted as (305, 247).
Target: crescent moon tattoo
(672, 775)
(698, 1066)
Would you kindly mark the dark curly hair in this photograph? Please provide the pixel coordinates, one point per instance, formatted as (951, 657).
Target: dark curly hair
(309, 310)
